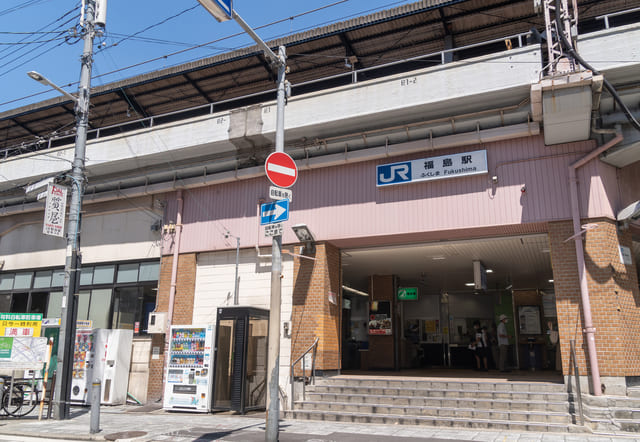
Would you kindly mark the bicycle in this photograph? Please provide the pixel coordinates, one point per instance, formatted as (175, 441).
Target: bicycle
(19, 399)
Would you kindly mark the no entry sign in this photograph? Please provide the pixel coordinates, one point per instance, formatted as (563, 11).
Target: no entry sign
(281, 169)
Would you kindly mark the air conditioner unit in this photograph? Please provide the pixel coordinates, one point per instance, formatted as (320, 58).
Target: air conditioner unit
(157, 322)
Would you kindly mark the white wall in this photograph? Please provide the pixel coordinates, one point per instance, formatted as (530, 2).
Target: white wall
(106, 237)
(214, 288)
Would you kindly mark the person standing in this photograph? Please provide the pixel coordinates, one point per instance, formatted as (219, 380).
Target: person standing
(503, 343)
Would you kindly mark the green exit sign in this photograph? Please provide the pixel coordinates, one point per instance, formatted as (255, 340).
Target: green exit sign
(408, 294)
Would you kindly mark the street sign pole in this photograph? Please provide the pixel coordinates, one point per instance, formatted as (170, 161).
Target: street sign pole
(273, 354)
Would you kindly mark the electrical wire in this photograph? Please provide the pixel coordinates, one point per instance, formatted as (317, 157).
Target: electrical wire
(569, 48)
(26, 4)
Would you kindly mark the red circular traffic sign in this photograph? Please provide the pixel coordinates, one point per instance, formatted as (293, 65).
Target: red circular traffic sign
(281, 169)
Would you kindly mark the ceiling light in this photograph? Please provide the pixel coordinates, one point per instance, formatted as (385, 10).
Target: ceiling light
(470, 284)
(551, 281)
(489, 271)
(439, 258)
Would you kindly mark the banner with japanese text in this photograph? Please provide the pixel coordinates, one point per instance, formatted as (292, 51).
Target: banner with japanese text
(20, 325)
(54, 211)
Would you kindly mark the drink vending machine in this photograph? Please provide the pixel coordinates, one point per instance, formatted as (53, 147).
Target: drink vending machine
(189, 371)
(83, 357)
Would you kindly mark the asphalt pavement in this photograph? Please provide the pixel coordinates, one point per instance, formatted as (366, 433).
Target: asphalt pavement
(135, 423)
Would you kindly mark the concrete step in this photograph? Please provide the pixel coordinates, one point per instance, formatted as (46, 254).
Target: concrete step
(440, 412)
(457, 422)
(434, 401)
(421, 384)
(439, 393)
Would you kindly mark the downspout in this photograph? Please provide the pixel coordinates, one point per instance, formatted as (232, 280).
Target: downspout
(174, 265)
(589, 329)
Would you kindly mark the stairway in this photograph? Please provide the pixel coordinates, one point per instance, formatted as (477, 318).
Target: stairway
(517, 406)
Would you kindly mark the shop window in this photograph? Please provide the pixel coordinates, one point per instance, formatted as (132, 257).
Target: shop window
(5, 303)
(38, 302)
(103, 274)
(82, 308)
(149, 271)
(6, 281)
(42, 280)
(57, 279)
(100, 307)
(131, 307)
(127, 273)
(19, 302)
(54, 308)
(22, 281)
(86, 276)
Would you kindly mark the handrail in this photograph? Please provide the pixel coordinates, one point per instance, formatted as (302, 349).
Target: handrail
(313, 347)
(576, 371)
(606, 17)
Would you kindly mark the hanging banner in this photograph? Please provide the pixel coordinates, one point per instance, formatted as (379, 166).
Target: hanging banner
(54, 210)
(20, 324)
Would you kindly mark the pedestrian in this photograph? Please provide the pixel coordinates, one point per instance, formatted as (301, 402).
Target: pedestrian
(481, 347)
(493, 344)
(503, 343)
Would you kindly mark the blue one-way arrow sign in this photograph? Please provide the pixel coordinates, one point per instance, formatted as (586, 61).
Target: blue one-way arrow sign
(274, 212)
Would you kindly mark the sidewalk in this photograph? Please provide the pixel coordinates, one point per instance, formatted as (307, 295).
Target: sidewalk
(130, 423)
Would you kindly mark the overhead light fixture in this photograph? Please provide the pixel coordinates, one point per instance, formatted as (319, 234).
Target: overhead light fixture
(439, 258)
(470, 284)
(509, 287)
(354, 291)
(305, 236)
(489, 270)
(551, 281)
(44, 80)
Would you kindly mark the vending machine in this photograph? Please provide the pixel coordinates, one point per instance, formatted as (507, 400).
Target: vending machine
(189, 372)
(83, 357)
(111, 364)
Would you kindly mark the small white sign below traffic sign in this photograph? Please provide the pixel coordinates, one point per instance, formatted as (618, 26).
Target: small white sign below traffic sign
(278, 193)
(271, 230)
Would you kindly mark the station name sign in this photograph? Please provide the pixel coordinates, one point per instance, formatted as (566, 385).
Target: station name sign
(434, 168)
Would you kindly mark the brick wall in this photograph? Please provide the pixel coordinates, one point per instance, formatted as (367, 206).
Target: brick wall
(313, 315)
(182, 311)
(614, 298)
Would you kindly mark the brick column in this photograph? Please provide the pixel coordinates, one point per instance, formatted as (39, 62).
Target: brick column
(614, 295)
(313, 313)
(182, 311)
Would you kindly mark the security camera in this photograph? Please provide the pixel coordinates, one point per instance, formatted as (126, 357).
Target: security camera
(630, 213)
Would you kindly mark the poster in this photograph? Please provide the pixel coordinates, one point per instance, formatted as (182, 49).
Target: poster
(380, 318)
(529, 319)
(55, 210)
(20, 325)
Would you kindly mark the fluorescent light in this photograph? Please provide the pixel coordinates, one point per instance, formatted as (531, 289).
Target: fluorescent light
(470, 284)
(551, 281)
(439, 258)
(489, 271)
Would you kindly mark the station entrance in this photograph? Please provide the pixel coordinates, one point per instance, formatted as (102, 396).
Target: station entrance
(421, 307)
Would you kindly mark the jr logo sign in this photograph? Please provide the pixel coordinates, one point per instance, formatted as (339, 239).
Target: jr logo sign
(393, 173)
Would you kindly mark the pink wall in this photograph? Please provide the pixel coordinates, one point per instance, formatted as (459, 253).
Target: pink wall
(343, 202)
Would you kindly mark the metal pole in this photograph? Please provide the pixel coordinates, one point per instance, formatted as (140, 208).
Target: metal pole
(94, 425)
(71, 273)
(236, 282)
(273, 355)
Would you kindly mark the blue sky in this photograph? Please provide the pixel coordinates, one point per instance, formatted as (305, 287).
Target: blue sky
(138, 31)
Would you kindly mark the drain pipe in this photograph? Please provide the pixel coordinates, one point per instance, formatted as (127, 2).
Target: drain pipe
(589, 329)
(174, 265)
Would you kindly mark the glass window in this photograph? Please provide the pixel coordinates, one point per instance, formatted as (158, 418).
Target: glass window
(128, 307)
(86, 277)
(38, 302)
(149, 271)
(103, 274)
(54, 309)
(42, 280)
(224, 364)
(100, 306)
(83, 305)
(6, 281)
(128, 273)
(23, 280)
(57, 280)
(5, 303)
(19, 302)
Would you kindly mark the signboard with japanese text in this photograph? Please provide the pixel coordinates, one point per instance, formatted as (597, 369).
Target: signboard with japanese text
(271, 230)
(20, 324)
(434, 168)
(408, 294)
(278, 193)
(22, 353)
(55, 210)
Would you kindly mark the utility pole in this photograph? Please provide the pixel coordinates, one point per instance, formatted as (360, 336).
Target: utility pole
(273, 353)
(72, 264)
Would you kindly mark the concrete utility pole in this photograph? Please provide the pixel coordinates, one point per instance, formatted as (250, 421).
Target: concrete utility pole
(273, 354)
(72, 264)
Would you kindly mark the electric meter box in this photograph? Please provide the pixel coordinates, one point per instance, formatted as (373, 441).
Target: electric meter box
(157, 322)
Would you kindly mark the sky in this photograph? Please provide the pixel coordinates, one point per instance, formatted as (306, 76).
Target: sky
(141, 36)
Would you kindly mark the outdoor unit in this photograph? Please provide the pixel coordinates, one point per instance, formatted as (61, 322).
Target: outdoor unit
(157, 322)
